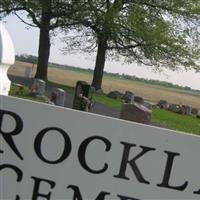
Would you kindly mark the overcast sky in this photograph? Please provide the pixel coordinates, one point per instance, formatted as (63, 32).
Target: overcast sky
(26, 41)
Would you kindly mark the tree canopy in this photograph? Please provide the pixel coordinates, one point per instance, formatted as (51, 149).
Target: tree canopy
(157, 33)
(152, 32)
(47, 15)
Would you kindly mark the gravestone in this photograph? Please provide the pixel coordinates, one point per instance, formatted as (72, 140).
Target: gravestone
(115, 94)
(186, 110)
(189, 110)
(135, 112)
(40, 86)
(58, 96)
(82, 100)
(175, 108)
(112, 95)
(139, 99)
(163, 104)
(128, 97)
(148, 105)
(194, 111)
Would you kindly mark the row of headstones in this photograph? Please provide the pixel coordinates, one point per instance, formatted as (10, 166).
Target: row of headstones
(57, 95)
(129, 97)
(180, 109)
(136, 109)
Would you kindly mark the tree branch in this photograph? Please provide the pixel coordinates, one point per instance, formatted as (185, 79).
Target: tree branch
(32, 14)
(8, 11)
(125, 47)
(24, 21)
(22, 8)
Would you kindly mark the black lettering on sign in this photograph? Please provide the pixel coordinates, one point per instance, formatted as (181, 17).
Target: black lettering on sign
(16, 170)
(38, 143)
(132, 162)
(8, 137)
(167, 173)
(78, 196)
(36, 188)
(126, 198)
(17, 197)
(82, 152)
(197, 192)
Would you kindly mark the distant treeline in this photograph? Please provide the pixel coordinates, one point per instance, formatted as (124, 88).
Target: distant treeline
(33, 59)
(27, 58)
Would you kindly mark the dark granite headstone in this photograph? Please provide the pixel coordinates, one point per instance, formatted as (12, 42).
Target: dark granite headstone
(148, 105)
(114, 94)
(128, 97)
(175, 108)
(186, 110)
(139, 99)
(194, 111)
(135, 112)
(163, 104)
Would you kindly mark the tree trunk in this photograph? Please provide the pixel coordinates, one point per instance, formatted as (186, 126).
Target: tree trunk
(99, 66)
(44, 46)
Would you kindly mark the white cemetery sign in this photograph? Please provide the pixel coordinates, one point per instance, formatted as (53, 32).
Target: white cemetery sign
(54, 153)
(7, 58)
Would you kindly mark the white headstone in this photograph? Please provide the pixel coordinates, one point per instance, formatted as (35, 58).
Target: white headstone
(40, 86)
(60, 96)
(7, 58)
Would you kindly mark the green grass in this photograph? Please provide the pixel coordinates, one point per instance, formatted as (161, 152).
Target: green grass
(160, 117)
(24, 95)
(67, 88)
(171, 120)
(113, 103)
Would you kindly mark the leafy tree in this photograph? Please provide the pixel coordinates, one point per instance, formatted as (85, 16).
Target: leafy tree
(44, 14)
(157, 33)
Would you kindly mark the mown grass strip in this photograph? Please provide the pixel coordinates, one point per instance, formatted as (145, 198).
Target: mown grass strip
(171, 120)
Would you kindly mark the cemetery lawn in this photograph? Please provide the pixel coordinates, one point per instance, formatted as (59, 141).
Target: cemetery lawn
(160, 117)
(168, 119)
